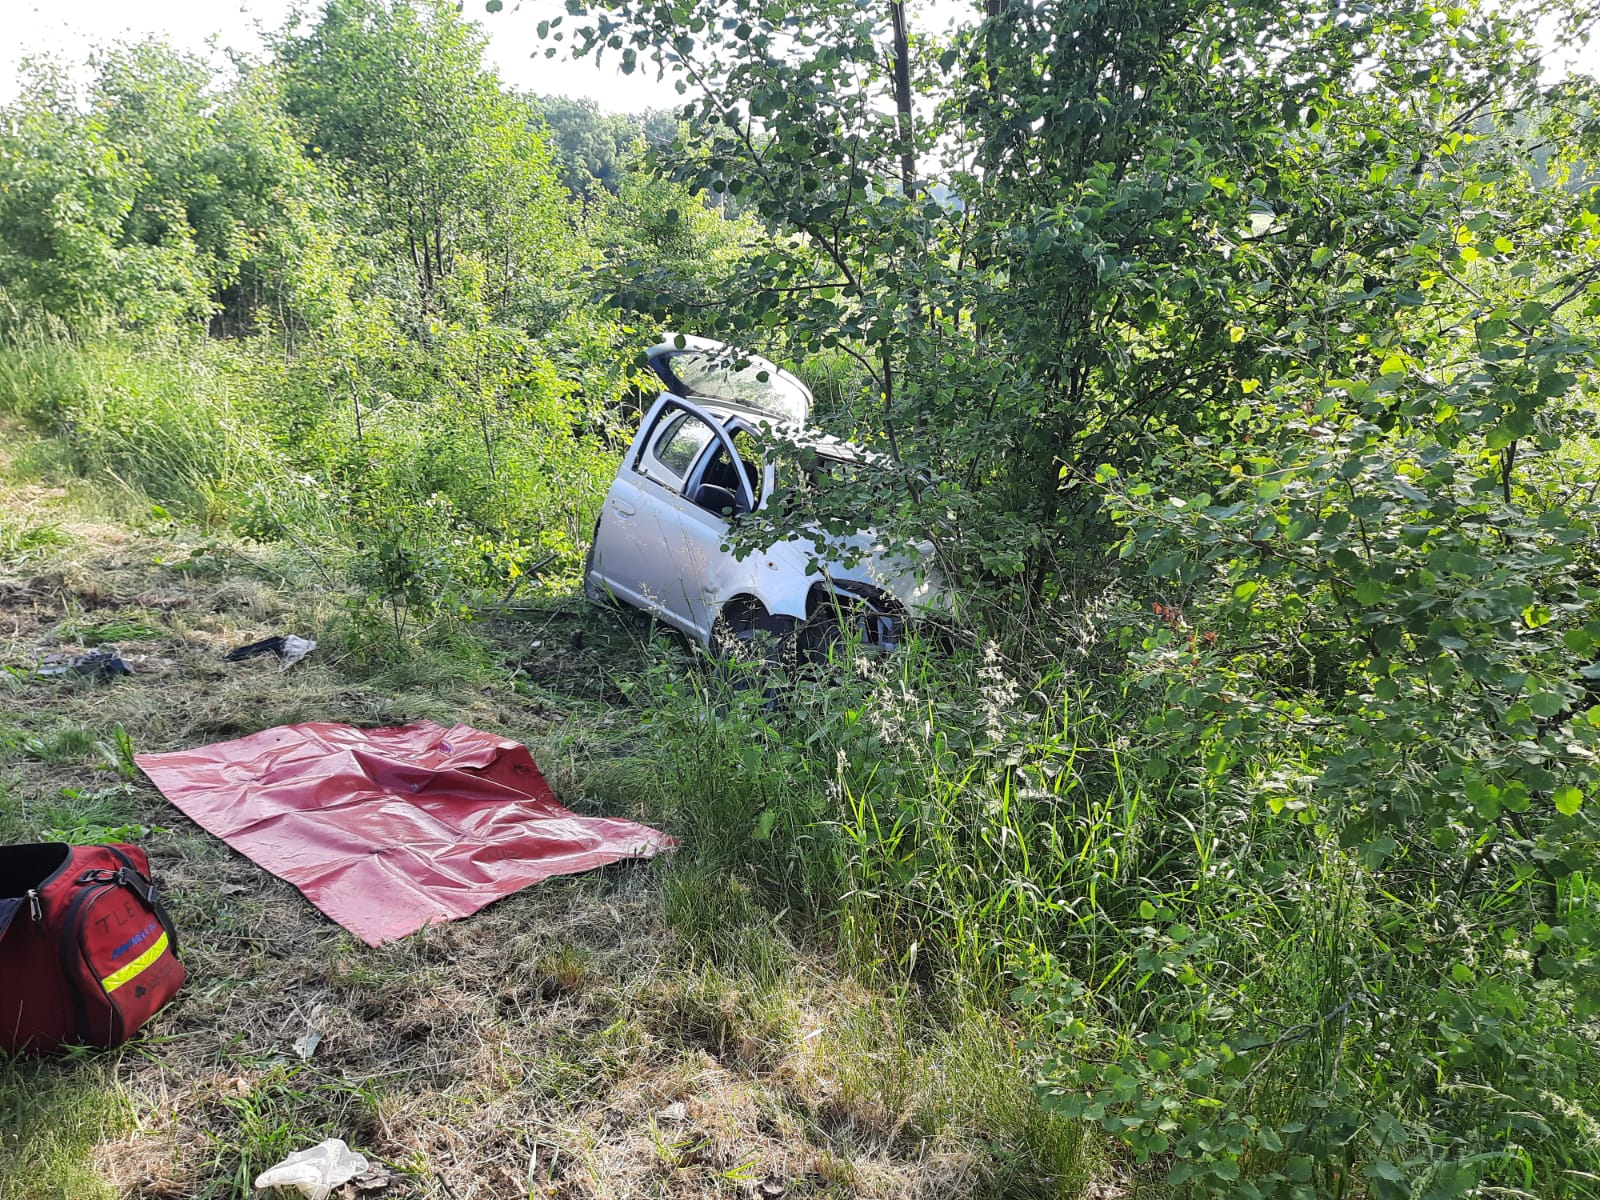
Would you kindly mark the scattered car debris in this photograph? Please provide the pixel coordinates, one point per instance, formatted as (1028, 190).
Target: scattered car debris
(290, 648)
(314, 1173)
(373, 1179)
(294, 649)
(102, 663)
(271, 645)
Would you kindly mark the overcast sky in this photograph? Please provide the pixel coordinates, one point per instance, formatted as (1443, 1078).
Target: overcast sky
(71, 28)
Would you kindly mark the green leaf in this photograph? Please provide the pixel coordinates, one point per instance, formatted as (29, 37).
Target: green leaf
(1376, 852)
(1568, 800)
(1383, 1169)
(1547, 704)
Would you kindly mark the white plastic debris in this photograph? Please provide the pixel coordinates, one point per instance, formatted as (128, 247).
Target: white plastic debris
(294, 649)
(306, 1044)
(314, 1173)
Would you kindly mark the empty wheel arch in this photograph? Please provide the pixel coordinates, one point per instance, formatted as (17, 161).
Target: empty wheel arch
(840, 611)
(746, 631)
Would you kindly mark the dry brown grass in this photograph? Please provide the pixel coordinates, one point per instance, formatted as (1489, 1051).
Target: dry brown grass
(564, 1042)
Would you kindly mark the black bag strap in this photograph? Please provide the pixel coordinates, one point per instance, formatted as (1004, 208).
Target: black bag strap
(130, 877)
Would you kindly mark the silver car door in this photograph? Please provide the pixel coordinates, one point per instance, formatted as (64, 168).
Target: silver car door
(710, 574)
(643, 551)
(619, 543)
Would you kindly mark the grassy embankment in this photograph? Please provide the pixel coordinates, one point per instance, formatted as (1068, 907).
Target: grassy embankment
(758, 976)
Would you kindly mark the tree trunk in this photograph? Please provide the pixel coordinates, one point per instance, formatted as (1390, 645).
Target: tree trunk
(902, 99)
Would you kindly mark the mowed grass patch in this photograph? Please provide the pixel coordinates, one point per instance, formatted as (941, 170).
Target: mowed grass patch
(23, 540)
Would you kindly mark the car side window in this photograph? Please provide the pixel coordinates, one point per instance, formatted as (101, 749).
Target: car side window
(678, 441)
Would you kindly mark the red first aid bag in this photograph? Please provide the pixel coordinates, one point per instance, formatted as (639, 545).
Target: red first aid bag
(87, 953)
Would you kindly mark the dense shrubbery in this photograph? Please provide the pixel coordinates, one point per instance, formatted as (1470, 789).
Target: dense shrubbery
(341, 298)
(1297, 310)
(1242, 364)
(434, 488)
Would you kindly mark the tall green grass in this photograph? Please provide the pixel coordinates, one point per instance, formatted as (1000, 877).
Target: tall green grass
(919, 809)
(425, 491)
(159, 417)
(986, 839)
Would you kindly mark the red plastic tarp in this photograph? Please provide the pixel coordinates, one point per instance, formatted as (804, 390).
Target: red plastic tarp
(388, 830)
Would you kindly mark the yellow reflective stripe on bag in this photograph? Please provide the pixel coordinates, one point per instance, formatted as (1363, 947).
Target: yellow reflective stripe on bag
(117, 978)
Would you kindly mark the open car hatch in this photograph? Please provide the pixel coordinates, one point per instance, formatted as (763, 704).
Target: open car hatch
(702, 369)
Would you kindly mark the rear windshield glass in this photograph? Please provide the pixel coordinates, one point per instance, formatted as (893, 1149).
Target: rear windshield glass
(711, 375)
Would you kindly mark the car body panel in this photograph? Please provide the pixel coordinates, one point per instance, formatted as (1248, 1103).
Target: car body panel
(654, 547)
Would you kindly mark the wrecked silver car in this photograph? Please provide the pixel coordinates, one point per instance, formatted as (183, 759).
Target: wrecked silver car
(700, 461)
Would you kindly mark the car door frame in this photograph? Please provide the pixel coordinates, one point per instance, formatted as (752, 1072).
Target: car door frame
(675, 516)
